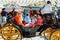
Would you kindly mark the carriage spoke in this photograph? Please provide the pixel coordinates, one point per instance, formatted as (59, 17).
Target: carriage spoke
(9, 32)
(48, 32)
(55, 35)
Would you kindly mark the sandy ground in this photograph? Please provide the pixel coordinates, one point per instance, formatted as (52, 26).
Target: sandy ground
(33, 38)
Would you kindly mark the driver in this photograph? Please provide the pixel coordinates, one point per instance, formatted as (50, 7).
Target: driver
(47, 10)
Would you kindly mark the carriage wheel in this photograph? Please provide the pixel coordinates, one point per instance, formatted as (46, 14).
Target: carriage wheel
(10, 32)
(55, 35)
(48, 32)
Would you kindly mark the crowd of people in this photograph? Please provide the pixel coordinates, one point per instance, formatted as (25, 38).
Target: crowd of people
(29, 19)
(17, 17)
(43, 18)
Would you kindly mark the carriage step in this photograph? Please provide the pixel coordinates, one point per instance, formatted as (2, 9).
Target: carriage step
(37, 33)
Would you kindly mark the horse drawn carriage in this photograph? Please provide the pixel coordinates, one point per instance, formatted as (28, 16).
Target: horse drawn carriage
(11, 31)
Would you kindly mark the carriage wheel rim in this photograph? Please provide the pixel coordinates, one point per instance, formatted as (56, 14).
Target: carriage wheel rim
(48, 32)
(10, 32)
(55, 35)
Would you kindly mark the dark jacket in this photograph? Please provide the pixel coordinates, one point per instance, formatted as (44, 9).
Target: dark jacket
(4, 13)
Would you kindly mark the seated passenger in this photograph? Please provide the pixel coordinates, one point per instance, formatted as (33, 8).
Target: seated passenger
(27, 19)
(33, 19)
(39, 21)
(17, 18)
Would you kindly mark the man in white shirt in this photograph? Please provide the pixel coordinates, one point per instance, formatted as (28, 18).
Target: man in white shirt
(47, 11)
(47, 8)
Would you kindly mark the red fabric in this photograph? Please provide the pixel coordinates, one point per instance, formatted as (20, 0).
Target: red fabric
(24, 22)
(39, 22)
(32, 25)
(18, 19)
(31, 12)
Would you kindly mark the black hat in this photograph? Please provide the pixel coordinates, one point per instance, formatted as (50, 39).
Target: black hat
(48, 2)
